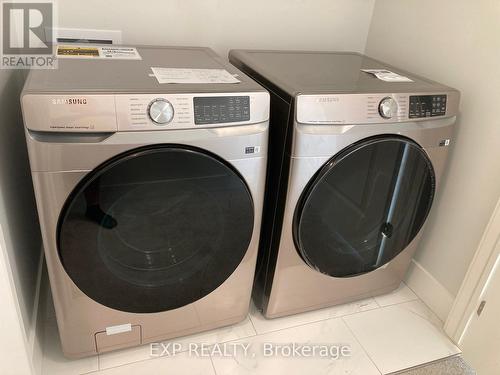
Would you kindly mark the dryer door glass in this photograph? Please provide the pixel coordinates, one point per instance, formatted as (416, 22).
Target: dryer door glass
(364, 206)
(156, 228)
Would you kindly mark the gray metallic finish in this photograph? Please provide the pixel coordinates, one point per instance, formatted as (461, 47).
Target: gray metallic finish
(363, 108)
(95, 113)
(79, 116)
(78, 76)
(295, 286)
(323, 72)
(79, 318)
(326, 103)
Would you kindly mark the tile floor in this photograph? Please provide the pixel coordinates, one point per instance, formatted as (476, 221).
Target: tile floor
(384, 334)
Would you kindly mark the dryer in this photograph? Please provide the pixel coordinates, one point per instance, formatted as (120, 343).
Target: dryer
(355, 162)
(149, 194)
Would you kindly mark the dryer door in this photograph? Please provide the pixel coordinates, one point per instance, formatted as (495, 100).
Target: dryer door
(364, 206)
(155, 228)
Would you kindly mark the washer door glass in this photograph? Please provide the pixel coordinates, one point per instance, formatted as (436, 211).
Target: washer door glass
(155, 228)
(364, 206)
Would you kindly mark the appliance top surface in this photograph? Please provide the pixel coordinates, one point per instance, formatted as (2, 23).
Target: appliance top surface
(116, 76)
(303, 72)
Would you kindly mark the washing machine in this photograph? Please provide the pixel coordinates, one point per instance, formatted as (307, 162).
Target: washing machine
(149, 185)
(357, 152)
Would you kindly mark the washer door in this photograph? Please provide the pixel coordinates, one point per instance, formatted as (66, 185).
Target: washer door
(155, 228)
(364, 206)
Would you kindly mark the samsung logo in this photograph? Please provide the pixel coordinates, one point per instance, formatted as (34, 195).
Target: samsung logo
(328, 99)
(77, 101)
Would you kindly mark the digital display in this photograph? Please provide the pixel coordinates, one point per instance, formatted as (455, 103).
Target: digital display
(221, 109)
(427, 106)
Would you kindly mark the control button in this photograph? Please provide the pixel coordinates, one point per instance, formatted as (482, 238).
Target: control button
(388, 107)
(161, 111)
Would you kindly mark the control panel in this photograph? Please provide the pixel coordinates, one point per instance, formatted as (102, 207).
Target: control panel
(97, 113)
(184, 111)
(374, 108)
(222, 109)
(427, 106)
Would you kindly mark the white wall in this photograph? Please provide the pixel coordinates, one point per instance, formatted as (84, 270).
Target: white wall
(20, 248)
(455, 42)
(18, 215)
(13, 345)
(225, 24)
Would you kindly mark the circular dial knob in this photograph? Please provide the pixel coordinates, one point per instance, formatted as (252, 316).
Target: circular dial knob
(161, 111)
(388, 107)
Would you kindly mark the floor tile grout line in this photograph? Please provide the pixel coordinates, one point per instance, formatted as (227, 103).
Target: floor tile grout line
(253, 325)
(397, 303)
(99, 360)
(421, 300)
(317, 321)
(400, 302)
(429, 318)
(409, 287)
(413, 312)
(213, 364)
(150, 358)
(164, 356)
(256, 333)
(341, 318)
(139, 360)
(305, 324)
(361, 345)
(134, 362)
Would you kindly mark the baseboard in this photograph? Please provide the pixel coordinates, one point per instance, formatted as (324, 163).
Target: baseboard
(429, 290)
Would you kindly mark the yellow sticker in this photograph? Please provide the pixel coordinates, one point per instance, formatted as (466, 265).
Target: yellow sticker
(77, 51)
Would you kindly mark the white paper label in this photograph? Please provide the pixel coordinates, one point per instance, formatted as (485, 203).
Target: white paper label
(182, 75)
(113, 330)
(120, 53)
(97, 52)
(387, 75)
